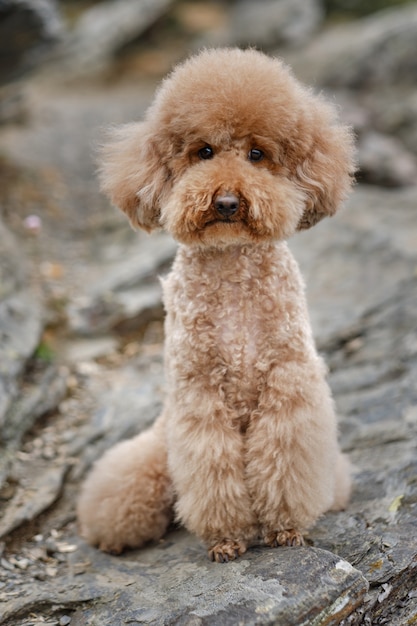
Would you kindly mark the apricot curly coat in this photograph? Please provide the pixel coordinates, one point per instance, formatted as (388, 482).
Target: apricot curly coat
(234, 156)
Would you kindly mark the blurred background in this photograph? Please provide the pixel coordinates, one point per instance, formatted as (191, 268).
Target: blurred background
(80, 304)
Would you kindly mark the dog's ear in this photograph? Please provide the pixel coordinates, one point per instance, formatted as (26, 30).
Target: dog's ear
(132, 173)
(326, 171)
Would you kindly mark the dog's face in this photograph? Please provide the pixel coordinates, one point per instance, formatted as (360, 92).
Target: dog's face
(233, 150)
(230, 189)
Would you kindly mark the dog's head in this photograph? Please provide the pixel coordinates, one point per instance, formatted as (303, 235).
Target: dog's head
(233, 150)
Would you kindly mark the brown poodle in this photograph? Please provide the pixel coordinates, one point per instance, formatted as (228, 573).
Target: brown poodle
(234, 156)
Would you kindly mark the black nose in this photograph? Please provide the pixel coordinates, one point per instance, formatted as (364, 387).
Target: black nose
(226, 204)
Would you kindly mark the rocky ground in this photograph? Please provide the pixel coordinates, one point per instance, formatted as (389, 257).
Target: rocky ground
(81, 332)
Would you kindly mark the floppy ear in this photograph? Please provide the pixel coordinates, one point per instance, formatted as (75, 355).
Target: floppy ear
(325, 172)
(133, 175)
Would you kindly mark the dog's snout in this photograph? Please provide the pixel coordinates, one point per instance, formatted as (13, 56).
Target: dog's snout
(226, 204)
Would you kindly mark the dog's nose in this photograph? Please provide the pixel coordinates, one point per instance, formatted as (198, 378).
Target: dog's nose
(226, 204)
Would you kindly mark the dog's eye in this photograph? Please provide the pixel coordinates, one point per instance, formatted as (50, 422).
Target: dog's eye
(206, 152)
(255, 155)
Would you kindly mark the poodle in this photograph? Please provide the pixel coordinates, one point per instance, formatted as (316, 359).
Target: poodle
(233, 157)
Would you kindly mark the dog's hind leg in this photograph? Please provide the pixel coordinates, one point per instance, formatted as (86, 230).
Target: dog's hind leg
(127, 499)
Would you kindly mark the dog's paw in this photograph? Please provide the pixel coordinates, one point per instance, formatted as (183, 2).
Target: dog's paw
(226, 550)
(289, 537)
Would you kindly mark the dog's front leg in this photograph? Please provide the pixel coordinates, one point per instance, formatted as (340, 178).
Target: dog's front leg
(206, 461)
(291, 452)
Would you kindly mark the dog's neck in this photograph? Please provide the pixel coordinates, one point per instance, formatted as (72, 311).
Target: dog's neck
(230, 252)
(234, 263)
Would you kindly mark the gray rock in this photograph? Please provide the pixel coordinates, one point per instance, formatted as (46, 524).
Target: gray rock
(20, 318)
(13, 269)
(130, 406)
(375, 51)
(36, 492)
(379, 422)
(358, 7)
(49, 143)
(383, 160)
(12, 104)
(352, 261)
(28, 28)
(127, 295)
(395, 112)
(39, 397)
(352, 110)
(104, 29)
(174, 583)
(141, 264)
(86, 350)
(386, 130)
(274, 22)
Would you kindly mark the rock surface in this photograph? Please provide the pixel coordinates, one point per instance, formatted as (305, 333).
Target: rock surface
(384, 52)
(374, 82)
(104, 29)
(383, 160)
(28, 28)
(173, 583)
(20, 318)
(268, 23)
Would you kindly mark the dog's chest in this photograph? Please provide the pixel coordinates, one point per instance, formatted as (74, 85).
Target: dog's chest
(227, 316)
(236, 325)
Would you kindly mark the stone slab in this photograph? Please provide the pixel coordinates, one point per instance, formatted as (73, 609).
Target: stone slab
(175, 583)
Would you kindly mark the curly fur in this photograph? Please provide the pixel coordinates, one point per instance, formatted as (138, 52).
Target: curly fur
(247, 443)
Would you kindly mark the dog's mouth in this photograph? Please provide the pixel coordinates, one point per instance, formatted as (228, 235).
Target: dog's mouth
(222, 221)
